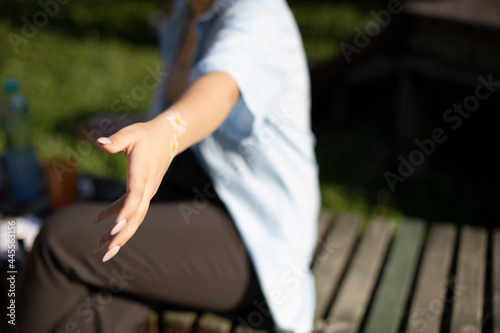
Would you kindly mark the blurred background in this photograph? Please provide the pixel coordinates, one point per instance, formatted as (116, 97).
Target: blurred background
(382, 77)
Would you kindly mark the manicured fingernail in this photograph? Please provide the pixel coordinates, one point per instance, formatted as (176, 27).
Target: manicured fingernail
(104, 237)
(102, 214)
(111, 253)
(104, 141)
(119, 226)
(97, 221)
(101, 246)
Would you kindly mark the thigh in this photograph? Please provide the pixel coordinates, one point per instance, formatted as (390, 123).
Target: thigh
(199, 262)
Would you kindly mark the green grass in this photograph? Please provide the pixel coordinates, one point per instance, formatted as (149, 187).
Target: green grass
(65, 78)
(338, 199)
(77, 66)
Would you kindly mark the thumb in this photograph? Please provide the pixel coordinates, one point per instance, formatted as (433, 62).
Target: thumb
(115, 143)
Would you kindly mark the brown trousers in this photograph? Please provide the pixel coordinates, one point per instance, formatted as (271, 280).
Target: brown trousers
(187, 254)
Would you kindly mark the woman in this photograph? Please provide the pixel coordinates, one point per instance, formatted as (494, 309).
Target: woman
(237, 233)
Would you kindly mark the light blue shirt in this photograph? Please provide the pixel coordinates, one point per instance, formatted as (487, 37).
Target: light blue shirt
(261, 158)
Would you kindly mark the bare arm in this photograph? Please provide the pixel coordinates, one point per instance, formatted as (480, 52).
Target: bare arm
(149, 148)
(204, 106)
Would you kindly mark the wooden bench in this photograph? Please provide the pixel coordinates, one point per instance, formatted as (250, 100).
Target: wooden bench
(382, 276)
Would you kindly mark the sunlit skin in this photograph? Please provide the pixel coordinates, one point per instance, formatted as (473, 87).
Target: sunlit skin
(150, 146)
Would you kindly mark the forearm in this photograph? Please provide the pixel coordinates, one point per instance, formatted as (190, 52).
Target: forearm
(149, 149)
(199, 112)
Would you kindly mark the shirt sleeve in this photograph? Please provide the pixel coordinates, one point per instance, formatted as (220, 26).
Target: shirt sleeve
(248, 44)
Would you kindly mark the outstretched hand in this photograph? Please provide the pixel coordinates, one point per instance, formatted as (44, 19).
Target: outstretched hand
(151, 146)
(149, 149)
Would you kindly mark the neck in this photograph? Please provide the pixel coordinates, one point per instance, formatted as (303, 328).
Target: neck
(200, 7)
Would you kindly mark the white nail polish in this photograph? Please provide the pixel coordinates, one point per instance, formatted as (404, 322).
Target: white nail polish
(111, 253)
(104, 141)
(118, 227)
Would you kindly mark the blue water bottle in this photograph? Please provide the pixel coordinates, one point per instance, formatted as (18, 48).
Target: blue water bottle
(21, 166)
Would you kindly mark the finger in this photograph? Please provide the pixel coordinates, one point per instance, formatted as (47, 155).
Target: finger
(120, 239)
(118, 227)
(104, 237)
(131, 203)
(130, 227)
(108, 235)
(101, 246)
(110, 210)
(117, 142)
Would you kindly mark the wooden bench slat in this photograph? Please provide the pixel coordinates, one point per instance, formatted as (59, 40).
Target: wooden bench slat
(496, 281)
(333, 248)
(332, 258)
(151, 325)
(349, 308)
(179, 321)
(392, 294)
(467, 313)
(212, 323)
(428, 302)
(184, 322)
(243, 329)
